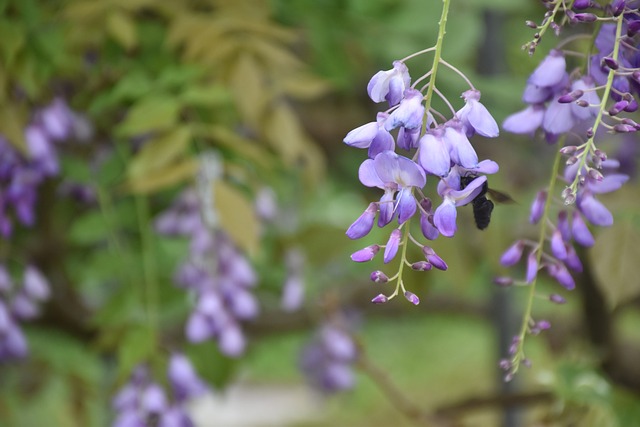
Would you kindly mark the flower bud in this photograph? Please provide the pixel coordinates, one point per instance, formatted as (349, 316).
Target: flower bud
(532, 267)
(558, 299)
(537, 208)
(363, 225)
(391, 249)
(563, 226)
(558, 247)
(380, 299)
(569, 149)
(581, 232)
(412, 298)
(379, 277)
(365, 254)
(513, 254)
(434, 259)
(421, 266)
(503, 281)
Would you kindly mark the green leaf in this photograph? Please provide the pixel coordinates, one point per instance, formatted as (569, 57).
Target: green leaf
(122, 28)
(13, 38)
(88, 228)
(615, 257)
(152, 113)
(237, 216)
(162, 178)
(136, 346)
(210, 364)
(160, 152)
(205, 96)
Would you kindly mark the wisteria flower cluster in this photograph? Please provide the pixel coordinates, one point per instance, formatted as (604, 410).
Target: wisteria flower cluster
(217, 273)
(143, 402)
(19, 303)
(430, 145)
(327, 360)
(580, 105)
(20, 175)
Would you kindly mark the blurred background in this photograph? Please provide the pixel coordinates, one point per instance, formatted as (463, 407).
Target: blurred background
(148, 147)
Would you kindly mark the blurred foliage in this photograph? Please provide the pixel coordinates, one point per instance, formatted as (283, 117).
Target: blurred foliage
(165, 81)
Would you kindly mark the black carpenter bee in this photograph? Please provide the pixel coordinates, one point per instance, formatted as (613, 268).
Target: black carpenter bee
(482, 207)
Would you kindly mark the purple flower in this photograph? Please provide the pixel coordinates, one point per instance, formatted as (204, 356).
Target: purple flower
(434, 153)
(475, 116)
(537, 208)
(558, 118)
(389, 85)
(183, 378)
(410, 112)
(412, 298)
(558, 247)
(35, 284)
(513, 254)
(580, 231)
(391, 173)
(551, 70)
(373, 136)
(595, 212)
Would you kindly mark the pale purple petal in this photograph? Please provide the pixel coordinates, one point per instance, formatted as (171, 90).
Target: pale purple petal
(363, 225)
(35, 284)
(389, 85)
(462, 152)
(525, 121)
(558, 118)
(429, 231)
(608, 184)
(392, 168)
(487, 167)
(467, 194)
(445, 218)
(382, 142)
(386, 208)
(365, 254)
(550, 71)
(513, 254)
(406, 205)
(434, 155)
(232, 341)
(581, 232)
(408, 138)
(532, 267)
(558, 247)
(590, 95)
(362, 136)
(595, 212)
(409, 113)
(536, 94)
(537, 207)
(368, 176)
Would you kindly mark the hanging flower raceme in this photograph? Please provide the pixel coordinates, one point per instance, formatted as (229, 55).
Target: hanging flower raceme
(442, 150)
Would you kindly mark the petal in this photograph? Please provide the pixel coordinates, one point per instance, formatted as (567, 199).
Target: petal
(462, 151)
(362, 136)
(391, 249)
(409, 113)
(386, 208)
(590, 95)
(558, 118)
(558, 247)
(470, 192)
(487, 167)
(536, 94)
(525, 121)
(445, 218)
(532, 267)
(595, 212)
(482, 121)
(382, 142)
(368, 176)
(550, 71)
(434, 155)
(608, 184)
(363, 225)
(406, 205)
(408, 138)
(581, 232)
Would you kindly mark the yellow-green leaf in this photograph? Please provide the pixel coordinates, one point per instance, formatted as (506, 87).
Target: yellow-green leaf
(152, 113)
(248, 88)
(615, 258)
(304, 86)
(160, 179)
(11, 126)
(237, 216)
(122, 28)
(160, 152)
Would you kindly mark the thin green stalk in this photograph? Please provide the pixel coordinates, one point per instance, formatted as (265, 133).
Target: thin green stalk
(148, 266)
(541, 238)
(403, 257)
(436, 58)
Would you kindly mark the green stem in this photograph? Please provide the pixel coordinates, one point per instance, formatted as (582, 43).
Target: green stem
(148, 266)
(590, 144)
(403, 258)
(519, 356)
(436, 58)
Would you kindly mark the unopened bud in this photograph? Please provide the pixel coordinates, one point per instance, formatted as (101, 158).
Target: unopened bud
(621, 128)
(503, 281)
(608, 61)
(412, 298)
(581, 4)
(379, 277)
(531, 24)
(571, 160)
(595, 175)
(582, 103)
(569, 149)
(380, 299)
(558, 299)
(421, 266)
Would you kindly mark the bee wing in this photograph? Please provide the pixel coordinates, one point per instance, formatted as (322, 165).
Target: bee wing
(500, 197)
